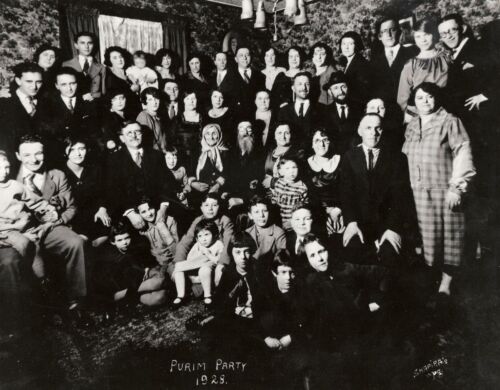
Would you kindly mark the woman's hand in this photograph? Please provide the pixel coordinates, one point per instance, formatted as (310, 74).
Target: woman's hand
(452, 200)
(103, 216)
(272, 343)
(352, 230)
(266, 183)
(199, 186)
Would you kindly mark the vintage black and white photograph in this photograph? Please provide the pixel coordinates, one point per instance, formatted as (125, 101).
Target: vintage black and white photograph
(250, 194)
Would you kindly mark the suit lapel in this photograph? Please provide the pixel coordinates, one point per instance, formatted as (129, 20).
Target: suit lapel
(49, 187)
(359, 165)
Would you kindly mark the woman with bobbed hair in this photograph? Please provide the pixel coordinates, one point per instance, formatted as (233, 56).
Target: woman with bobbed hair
(91, 219)
(117, 60)
(322, 58)
(271, 70)
(282, 87)
(430, 65)
(357, 68)
(167, 64)
(441, 170)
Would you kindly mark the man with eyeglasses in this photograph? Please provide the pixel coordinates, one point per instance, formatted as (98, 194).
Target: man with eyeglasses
(472, 92)
(388, 62)
(133, 172)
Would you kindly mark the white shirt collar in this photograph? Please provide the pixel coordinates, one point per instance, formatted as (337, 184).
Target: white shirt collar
(342, 105)
(25, 100)
(242, 72)
(394, 50)
(134, 152)
(67, 99)
(81, 60)
(38, 178)
(306, 103)
(459, 48)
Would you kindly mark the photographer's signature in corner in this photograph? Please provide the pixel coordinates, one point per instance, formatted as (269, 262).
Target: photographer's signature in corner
(433, 369)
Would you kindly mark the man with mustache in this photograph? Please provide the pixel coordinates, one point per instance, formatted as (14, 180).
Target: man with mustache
(246, 167)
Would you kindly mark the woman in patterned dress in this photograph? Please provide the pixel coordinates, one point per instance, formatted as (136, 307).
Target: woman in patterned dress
(441, 169)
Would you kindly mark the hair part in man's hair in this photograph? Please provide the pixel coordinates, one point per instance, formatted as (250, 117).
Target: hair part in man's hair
(26, 67)
(302, 206)
(211, 226)
(431, 89)
(85, 34)
(241, 240)
(302, 74)
(210, 195)
(258, 199)
(243, 47)
(282, 258)
(384, 19)
(119, 227)
(144, 199)
(30, 138)
(454, 16)
(311, 237)
(127, 123)
(66, 70)
(151, 91)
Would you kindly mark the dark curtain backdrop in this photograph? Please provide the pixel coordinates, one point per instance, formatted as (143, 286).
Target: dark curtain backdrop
(73, 20)
(174, 38)
(76, 17)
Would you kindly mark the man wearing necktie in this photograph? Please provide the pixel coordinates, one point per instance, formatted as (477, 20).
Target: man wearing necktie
(51, 200)
(342, 117)
(387, 62)
(92, 73)
(65, 113)
(375, 198)
(19, 113)
(248, 81)
(224, 79)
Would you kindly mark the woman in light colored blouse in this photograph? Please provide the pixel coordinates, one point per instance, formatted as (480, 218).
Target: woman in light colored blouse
(271, 70)
(431, 65)
(441, 169)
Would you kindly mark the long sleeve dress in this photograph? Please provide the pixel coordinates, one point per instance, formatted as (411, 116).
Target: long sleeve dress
(416, 71)
(440, 160)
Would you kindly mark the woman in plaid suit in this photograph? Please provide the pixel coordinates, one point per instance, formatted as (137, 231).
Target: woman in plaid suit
(441, 168)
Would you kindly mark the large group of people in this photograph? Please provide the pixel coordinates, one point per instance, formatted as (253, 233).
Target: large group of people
(293, 203)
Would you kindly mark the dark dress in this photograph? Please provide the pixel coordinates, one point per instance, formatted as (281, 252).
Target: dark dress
(323, 185)
(88, 193)
(358, 78)
(112, 83)
(227, 125)
(201, 88)
(282, 90)
(186, 135)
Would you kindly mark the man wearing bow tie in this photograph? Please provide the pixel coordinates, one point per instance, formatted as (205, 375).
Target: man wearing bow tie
(19, 113)
(375, 197)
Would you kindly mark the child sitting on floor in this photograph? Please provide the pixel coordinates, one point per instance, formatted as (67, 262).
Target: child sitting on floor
(123, 271)
(160, 230)
(179, 172)
(204, 257)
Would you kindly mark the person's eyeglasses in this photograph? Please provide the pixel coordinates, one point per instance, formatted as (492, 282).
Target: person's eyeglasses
(388, 31)
(450, 32)
(131, 134)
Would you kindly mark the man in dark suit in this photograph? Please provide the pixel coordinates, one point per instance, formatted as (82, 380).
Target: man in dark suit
(51, 200)
(66, 113)
(223, 79)
(341, 117)
(172, 108)
(387, 63)
(303, 115)
(91, 73)
(19, 113)
(375, 196)
(247, 81)
(136, 171)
